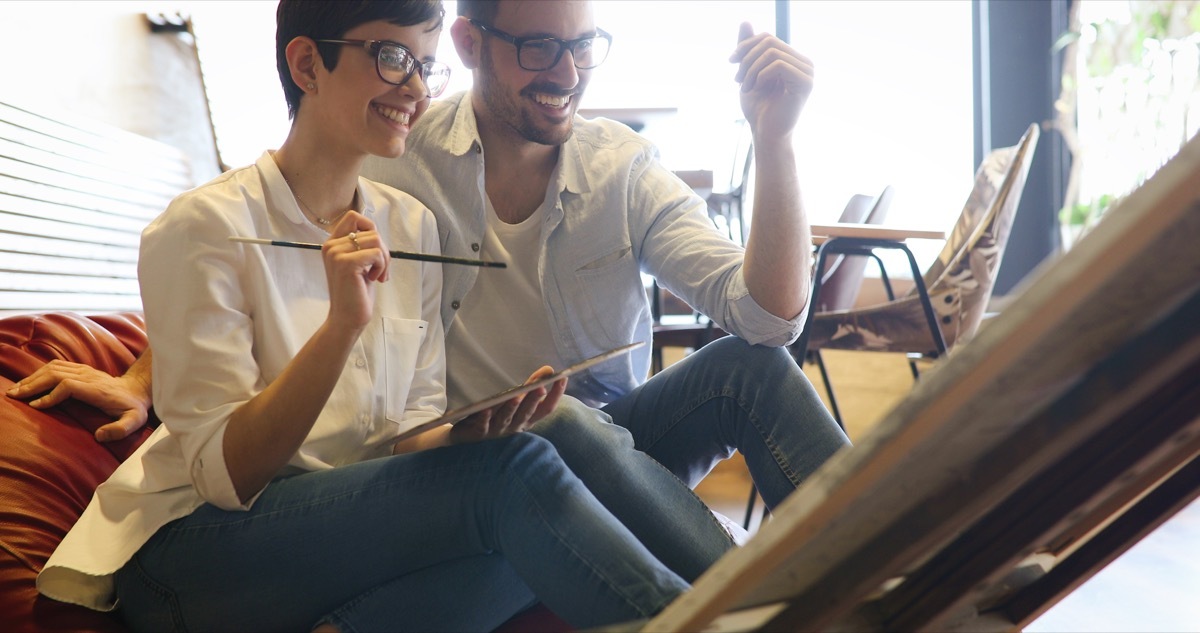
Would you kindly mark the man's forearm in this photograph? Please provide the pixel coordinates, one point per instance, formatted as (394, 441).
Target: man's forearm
(778, 251)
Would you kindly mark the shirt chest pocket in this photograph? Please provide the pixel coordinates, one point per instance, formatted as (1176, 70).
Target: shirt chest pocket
(611, 289)
(402, 340)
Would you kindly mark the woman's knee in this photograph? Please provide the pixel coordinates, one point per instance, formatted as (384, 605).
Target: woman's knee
(527, 455)
(574, 427)
(525, 446)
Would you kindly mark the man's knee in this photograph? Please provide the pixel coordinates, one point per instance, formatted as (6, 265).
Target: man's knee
(731, 351)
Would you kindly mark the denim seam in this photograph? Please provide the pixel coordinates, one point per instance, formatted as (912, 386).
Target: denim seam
(728, 392)
(619, 591)
(160, 590)
(780, 459)
(700, 401)
(711, 517)
(338, 618)
(336, 621)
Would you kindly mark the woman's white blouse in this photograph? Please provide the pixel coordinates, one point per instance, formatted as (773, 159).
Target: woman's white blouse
(224, 320)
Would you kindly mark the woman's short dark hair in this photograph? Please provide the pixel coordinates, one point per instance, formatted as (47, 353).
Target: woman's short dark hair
(330, 19)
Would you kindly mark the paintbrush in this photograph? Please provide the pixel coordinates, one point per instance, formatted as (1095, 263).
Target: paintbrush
(421, 257)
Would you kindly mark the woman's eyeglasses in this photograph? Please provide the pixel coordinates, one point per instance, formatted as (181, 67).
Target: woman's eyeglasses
(396, 64)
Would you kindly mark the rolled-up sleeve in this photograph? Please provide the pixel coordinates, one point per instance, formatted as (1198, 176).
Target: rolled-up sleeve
(686, 253)
(201, 333)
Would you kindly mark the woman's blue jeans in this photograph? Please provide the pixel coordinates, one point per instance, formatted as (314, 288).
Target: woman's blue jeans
(461, 539)
(458, 538)
(730, 395)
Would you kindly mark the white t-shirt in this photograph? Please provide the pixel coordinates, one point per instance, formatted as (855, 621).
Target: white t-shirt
(492, 349)
(224, 319)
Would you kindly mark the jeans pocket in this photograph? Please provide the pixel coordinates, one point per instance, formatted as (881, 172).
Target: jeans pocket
(144, 603)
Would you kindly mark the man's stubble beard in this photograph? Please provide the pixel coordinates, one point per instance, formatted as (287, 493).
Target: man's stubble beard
(509, 112)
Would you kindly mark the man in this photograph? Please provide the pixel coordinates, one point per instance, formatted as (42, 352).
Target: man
(578, 209)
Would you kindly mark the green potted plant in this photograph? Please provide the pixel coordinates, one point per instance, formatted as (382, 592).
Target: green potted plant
(1129, 99)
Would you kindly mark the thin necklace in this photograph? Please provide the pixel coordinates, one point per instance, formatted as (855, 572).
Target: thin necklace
(304, 206)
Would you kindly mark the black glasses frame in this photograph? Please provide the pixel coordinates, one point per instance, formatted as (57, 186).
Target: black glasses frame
(425, 69)
(563, 45)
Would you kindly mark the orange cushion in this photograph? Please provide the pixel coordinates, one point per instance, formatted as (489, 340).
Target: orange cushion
(50, 462)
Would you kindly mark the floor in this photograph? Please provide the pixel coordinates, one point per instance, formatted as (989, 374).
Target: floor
(1153, 587)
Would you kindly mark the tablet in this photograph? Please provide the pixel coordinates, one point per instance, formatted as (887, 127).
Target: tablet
(460, 413)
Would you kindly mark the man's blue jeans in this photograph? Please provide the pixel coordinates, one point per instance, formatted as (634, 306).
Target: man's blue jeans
(457, 538)
(730, 395)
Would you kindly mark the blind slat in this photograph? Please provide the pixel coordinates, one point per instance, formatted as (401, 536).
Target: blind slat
(32, 282)
(56, 247)
(94, 170)
(67, 266)
(74, 198)
(30, 208)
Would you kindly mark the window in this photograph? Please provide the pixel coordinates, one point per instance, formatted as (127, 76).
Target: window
(236, 43)
(683, 69)
(892, 104)
(1135, 98)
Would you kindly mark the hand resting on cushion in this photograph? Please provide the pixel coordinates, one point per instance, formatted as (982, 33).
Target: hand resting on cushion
(126, 398)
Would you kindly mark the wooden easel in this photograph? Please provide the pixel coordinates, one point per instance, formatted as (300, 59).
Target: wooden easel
(1067, 430)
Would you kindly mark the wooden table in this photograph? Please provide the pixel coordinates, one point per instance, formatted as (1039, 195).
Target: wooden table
(699, 179)
(823, 232)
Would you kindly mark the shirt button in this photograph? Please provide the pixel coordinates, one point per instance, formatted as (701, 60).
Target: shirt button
(478, 148)
(475, 247)
(360, 363)
(366, 419)
(454, 304)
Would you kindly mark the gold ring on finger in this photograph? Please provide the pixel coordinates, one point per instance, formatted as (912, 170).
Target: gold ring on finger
(354, 240)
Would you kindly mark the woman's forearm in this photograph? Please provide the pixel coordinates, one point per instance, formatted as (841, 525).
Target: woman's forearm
(263, 434)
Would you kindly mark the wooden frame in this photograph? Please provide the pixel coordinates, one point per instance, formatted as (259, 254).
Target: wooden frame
(1036, 453)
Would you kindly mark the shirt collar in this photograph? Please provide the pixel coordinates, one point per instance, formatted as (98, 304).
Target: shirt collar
(464, 137)
(464, 132)
(570, 162)
(286, 204)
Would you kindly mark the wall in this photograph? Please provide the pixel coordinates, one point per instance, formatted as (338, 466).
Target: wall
(100, 60)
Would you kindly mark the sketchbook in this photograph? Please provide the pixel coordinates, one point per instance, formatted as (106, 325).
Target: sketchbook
(457, 415)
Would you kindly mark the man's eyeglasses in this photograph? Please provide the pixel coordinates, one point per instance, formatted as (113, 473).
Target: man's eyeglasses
(543, 53)
(396, 64)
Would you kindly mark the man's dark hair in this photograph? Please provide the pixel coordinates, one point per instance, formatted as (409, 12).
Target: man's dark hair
(482, 10)
(330, 19)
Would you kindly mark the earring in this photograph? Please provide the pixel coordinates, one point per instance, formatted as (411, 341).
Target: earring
(310, 85)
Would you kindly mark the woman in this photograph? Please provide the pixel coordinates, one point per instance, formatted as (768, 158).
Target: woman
(267, 500)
